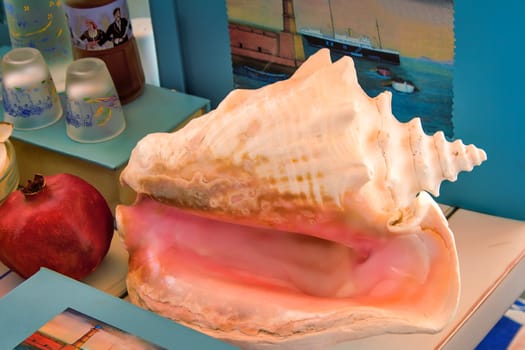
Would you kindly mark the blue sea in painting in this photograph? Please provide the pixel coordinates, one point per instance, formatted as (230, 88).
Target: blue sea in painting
(431, 100)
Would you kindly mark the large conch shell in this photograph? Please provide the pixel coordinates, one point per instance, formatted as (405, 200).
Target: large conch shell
(296, 215)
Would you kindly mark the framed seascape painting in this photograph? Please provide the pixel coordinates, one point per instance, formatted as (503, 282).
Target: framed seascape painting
(72, 329)
(405, 46)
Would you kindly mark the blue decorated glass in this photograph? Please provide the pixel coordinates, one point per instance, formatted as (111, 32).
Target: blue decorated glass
(43, 25)
(29, 95)
(93, 112)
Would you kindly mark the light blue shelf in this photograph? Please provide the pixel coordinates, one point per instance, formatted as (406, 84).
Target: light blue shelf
(157, 110)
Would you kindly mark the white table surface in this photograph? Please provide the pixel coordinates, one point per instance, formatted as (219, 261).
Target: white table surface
(492, 261)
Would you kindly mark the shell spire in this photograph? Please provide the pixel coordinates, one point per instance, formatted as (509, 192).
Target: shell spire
(416, 161)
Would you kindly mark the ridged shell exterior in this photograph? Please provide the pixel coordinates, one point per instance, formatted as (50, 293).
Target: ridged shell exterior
(316, 139)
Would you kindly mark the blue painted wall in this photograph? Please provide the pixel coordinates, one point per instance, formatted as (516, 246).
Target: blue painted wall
(193, 47)
(488, 106)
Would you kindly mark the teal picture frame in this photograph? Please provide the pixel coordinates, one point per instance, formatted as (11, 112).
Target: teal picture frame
(24, 312)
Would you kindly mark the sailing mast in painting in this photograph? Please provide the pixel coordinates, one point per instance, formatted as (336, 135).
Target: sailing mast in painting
(345, 44)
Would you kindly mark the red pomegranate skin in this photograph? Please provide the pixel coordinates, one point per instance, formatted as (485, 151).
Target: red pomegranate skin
(67, 227)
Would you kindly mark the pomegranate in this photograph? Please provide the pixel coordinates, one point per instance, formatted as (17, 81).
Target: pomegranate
(60, 222)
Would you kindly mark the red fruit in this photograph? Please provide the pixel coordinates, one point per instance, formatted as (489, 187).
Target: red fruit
(60, 222)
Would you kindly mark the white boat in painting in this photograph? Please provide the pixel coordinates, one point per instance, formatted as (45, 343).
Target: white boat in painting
(402, 85)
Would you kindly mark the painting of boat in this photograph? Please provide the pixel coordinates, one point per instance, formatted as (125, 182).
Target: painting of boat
(394, 47)
(361, 47)
(383, 71)
(402, 85)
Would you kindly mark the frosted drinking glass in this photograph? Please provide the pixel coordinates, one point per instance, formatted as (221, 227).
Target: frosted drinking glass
(94, 112)
(29, 94)
(43, 25)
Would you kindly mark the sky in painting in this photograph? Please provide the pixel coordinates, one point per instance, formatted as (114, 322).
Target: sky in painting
(416, 28)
